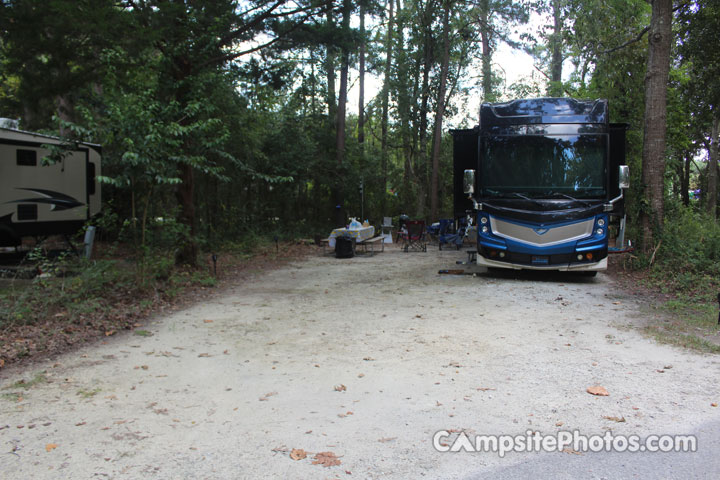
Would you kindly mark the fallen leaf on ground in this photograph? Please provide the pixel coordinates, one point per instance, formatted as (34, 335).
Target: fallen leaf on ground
(387, 439)
(615, 419)
(204, 355)
(714, 404)
(559, 424)
(50, 446)
(484, 389)
(207, 321)
(326, 459)
(266, 396)
(598, 390)
(340, 388)
(298, 454)
(111, 332)
(572, 451)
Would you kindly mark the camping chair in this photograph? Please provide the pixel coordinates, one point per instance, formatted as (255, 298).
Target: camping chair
(386, 230)
(414, 236)
(446, 236)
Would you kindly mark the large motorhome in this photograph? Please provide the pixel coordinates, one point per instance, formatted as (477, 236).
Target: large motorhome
(41, 198)
(543, 178)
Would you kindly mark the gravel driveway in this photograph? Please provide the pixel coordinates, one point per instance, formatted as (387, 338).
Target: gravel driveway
(346, 369)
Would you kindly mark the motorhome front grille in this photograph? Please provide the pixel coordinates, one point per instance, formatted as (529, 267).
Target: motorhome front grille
(542, 236)
(27, 211)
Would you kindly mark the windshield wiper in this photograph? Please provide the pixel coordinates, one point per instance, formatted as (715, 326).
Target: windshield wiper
(524, 197)
(558, 194)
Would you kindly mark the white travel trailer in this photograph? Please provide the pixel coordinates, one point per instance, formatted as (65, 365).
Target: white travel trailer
(40, 199)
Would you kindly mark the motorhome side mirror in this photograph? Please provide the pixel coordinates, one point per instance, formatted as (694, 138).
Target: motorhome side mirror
(624, 177)
(469, 182)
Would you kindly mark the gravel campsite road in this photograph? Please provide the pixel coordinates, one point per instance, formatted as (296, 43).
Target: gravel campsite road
(358, 363)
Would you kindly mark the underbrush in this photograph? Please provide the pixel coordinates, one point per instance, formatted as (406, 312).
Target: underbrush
(75, 300)
(75, 289)
(686, 266)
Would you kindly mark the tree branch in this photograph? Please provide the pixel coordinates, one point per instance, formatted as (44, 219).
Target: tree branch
(629, 42)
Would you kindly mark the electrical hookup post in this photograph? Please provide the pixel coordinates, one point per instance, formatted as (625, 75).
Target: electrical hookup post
(544, 180)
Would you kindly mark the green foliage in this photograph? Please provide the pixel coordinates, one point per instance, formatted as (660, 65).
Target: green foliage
(72, 288)
(688, 260)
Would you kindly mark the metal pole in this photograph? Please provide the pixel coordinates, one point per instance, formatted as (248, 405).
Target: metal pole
(89, 240)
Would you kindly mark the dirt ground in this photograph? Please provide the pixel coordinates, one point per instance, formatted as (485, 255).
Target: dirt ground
(364, 358)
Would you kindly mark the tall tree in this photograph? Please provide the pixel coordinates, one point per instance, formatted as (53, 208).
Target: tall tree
(556, 47)
(385, 101)
(699, 22)
(494, 20)
(440, 113)
(653, 157)
(361, 79)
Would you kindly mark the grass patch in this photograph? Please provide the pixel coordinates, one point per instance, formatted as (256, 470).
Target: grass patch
(89, 393)
(685, 268)
(676, 334)
(143, 333)
(38, 379)
(12, 397)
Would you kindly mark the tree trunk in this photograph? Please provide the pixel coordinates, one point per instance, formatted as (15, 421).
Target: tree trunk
(65, 109)
(653, 157)
(556, 43)
(341, 113)
(485, 33)
(330, 70)
(421, 160)
(361, 74)
(685, 179)
(337, 215)
(712, 172)
(187, 254)
(385, 108)
(437, 137)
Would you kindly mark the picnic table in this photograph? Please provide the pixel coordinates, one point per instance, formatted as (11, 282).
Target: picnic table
(358, 234)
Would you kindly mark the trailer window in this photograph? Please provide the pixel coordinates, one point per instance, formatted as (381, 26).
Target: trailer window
(91, 179)
(27, 211)
(26, 158)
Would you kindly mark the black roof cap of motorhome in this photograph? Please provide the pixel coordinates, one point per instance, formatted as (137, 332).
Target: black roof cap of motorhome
(544, 110)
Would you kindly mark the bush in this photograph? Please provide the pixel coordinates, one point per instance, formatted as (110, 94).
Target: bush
(688, 259)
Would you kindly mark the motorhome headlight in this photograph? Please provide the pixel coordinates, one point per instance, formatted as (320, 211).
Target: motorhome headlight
(485, 229)
(484, 220)
(579, 257)
(599, 231)
(601, 222)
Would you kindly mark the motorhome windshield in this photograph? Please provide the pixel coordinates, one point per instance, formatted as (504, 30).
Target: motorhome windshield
(544, 166)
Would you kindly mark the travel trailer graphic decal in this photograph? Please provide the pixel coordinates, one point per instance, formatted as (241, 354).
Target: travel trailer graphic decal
(59, 201)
